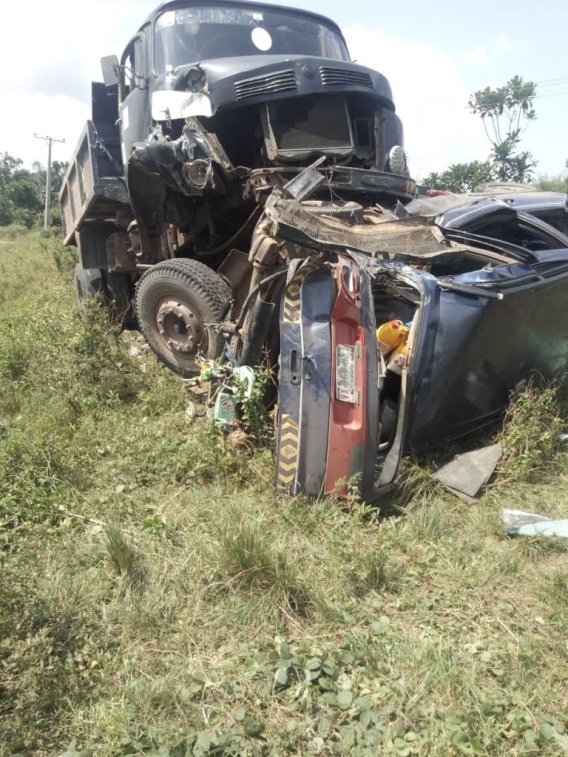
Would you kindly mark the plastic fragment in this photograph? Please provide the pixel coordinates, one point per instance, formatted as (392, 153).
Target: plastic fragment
(520, 523)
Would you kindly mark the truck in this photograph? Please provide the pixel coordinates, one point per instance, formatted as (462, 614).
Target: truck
(213, 108)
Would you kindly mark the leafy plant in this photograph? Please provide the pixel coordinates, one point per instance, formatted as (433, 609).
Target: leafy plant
(252, 404)
(505, 113)
(530, 435)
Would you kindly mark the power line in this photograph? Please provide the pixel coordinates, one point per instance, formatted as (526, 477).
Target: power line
(47, 214)
(465, 107)
(457, 98)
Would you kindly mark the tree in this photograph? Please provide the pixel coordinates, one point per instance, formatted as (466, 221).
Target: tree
(22, 192)
(461, 177)
(506, 112)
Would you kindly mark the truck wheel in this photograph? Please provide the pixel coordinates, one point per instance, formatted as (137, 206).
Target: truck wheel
(113, 290)
(174, 302)
(118, 298)
(88, 283)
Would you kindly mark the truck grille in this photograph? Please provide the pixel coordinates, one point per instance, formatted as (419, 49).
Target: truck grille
(280, 81)
(334, 77)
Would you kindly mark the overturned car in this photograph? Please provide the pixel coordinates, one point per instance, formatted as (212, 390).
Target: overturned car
(409, 332)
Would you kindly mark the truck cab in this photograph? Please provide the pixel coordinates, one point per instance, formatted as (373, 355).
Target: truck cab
(211, 108)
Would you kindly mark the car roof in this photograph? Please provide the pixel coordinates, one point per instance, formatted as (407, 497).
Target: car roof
(485, 202)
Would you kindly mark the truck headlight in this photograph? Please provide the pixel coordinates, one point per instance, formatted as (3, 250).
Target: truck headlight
(396, 161)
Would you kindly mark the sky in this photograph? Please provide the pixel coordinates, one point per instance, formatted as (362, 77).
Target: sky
(434, 55)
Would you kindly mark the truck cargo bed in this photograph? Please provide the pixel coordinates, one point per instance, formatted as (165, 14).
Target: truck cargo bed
(93, 187)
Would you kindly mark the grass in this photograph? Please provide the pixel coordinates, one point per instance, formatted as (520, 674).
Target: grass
(158, 598)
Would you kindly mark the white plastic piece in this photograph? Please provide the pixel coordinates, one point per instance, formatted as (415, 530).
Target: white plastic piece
(168, 104)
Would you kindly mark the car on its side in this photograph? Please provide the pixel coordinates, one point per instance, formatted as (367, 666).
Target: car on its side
(481, 283)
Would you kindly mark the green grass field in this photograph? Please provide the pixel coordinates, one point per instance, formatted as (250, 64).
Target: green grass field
(158, 598)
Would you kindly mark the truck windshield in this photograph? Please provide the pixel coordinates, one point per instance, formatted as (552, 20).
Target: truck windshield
(189, 35)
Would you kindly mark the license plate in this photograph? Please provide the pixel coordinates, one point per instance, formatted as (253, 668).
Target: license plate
(345, 373)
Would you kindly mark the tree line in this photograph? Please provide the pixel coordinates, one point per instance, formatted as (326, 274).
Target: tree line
(22, 190)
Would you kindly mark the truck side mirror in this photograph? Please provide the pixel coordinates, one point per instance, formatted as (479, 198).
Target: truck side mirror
(111, 68)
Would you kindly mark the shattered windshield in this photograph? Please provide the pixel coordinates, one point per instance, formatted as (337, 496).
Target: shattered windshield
(189, 35)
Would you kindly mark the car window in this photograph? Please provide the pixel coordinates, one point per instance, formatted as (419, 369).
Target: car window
(556, 217)
(515, 231)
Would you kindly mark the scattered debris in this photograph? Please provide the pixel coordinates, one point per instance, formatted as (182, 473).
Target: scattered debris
(466, 474)
(515, 518)
(520, 523)
(544, 528)
(226, 386)
(190, 411)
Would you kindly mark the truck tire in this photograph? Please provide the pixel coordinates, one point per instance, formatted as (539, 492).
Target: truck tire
(173, 303)
(112, 289)
(118, 298)
(88, 283)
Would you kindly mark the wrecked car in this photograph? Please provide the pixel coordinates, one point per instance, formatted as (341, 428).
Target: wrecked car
(211, 106)
(499, 211)
(410, 332)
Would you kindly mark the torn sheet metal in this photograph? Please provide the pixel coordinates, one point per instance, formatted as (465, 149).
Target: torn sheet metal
(466, 474)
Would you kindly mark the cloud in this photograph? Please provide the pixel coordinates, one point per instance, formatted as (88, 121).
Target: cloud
(430, 96)
(63, 75)
(477, 55)
(502, 44)
(49, 55)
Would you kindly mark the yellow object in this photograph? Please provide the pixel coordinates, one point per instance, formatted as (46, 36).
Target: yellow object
(396, 359)
(392, 338)
(391, 335)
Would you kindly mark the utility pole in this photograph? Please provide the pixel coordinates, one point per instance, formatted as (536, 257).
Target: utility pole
(47, 215)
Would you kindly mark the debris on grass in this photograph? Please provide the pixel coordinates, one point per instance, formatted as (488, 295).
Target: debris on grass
(468, 473)
(520, 523)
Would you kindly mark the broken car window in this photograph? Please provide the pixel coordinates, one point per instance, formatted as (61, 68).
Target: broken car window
(189, 35)
(557, 217)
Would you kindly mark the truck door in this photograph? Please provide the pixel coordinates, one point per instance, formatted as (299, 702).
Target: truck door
(134, 105)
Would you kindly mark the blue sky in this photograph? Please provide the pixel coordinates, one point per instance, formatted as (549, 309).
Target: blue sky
(434, 54)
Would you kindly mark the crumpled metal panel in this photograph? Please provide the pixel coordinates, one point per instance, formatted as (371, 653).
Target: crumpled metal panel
(412, 237)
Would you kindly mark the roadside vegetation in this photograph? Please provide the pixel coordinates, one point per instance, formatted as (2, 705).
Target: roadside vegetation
(158, 598)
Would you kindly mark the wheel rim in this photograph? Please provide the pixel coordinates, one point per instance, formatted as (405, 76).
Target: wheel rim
(180, 327)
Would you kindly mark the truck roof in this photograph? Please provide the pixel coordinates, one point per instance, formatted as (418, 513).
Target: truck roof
(173, 4)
